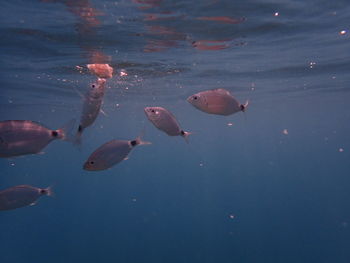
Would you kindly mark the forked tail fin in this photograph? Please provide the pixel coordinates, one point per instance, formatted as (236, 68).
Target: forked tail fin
(77, 138)
(48, 191)
(185, 134)
(139, 141)
(244, 106)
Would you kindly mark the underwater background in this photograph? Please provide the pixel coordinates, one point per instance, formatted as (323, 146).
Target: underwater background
(268, 185)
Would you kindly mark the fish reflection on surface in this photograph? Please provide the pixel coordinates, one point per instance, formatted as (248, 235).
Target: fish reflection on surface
(146, 4)
(98, 57)
(169, 38)
(166, 15)
(86, 24)
(21, 196)
(84, 10)
(210, 44)
(222, 19)
(157, 45)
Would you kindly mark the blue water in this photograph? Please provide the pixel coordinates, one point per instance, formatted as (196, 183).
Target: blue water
(270, 185)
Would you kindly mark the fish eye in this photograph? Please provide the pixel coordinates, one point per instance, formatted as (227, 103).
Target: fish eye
(91, 162)
(152, 111)
(93, 85)
(195, 97)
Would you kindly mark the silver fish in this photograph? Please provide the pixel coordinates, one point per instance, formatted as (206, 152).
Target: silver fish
(111, 153)
(21, 195)
(20, 137)
(91, 107)
(216, 101)
(165, 121)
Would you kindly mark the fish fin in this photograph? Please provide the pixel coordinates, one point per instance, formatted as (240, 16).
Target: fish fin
(139, 140)
(126, 158)
(66, 131)
(41, 153)
(34, 203)
(77, 138)
(104, 113)
(185, 134)
(244, 106)
(222, 91)
(49, 191)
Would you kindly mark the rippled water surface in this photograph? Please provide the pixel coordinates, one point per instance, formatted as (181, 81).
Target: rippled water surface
(268, 185)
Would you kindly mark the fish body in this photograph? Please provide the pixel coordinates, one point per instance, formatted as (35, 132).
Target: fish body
(92, 105)
(21, 196)
(20, 137)
(111, 153)
(165, 121)
(216, 101)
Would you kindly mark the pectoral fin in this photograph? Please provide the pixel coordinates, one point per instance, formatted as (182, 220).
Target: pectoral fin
(103, 112)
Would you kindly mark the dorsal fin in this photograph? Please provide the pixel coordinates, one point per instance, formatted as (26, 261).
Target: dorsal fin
(223, 91)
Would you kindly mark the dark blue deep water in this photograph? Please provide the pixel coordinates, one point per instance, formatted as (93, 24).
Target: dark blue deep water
(270, 185)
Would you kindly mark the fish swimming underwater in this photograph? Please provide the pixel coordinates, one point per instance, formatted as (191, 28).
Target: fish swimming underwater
(165, 121)
(216, 101)
(91, 107)
(111, 153)
(21, 196)
(20, 137)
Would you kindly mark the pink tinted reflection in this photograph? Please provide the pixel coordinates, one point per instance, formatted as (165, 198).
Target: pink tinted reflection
(146, 4)
(210, 44)
(157, 45)
(166, 15)
(222, 19)
(86, 26)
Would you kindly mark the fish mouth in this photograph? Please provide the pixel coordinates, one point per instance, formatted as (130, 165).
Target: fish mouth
(190, 99)
(86, 166)
(147, 110)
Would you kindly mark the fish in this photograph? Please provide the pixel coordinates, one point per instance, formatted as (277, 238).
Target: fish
(22, 137)
(21, 196)
(216, 101)
(91, 107)
(111, 153)
(165, 121)
(104, 71)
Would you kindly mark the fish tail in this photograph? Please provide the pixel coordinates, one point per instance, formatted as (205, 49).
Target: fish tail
(49, 191)
(77, 138)
(244, 106)
(185, 134)
(139, 140)
(66, 131)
